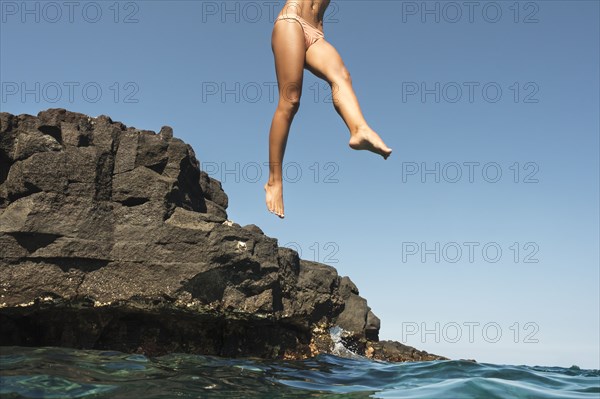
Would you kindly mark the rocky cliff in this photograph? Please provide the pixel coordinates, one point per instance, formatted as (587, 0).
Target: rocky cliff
(112, 238)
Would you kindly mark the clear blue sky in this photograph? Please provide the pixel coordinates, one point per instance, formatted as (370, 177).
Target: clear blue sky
(517, 87)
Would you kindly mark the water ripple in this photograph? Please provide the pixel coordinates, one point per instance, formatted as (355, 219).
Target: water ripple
(68, 373)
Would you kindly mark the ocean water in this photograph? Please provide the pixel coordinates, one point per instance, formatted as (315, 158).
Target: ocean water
(67, 373)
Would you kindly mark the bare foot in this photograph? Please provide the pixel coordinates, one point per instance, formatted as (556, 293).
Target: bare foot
(367, 139)
(274, 198)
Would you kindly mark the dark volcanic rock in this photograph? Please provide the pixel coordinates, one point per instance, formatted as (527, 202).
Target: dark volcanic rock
(112, 238)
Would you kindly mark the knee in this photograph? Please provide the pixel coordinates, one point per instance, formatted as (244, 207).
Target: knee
(340, 75)
(345, 75)
(289, 105)
(289, 98)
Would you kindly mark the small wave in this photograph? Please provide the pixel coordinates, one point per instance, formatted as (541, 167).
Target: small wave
(339, 349)
(67, 373)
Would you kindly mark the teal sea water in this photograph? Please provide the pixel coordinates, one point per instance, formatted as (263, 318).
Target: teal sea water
(69, 373)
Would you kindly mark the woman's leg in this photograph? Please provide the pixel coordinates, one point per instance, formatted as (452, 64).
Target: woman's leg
(289, 50)
(323, 60)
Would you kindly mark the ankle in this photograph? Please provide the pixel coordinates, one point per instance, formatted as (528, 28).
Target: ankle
(274, 182)
(358, 129)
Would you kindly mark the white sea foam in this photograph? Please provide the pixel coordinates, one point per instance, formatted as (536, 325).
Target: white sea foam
(337, 333)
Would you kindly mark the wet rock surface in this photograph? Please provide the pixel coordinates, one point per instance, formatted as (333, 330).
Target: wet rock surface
(111, 237)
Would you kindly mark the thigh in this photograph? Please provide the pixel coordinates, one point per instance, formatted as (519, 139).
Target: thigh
(324, 61)
(287, 43)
